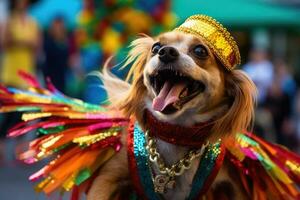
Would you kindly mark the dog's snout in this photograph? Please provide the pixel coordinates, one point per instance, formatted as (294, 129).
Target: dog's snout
(168, 54)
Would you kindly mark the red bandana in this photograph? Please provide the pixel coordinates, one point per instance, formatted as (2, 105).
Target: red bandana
(193, 136)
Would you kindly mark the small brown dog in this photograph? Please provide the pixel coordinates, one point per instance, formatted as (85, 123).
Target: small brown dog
(180, 130)
(181, 78)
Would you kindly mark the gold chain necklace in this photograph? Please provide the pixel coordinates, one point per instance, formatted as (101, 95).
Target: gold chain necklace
(166, 179)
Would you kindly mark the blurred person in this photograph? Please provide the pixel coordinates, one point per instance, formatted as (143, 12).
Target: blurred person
(56, 51)
(3, 19)
(261, 71)
(297, 117)
(287, 81)
(20, 41)
(279, 104)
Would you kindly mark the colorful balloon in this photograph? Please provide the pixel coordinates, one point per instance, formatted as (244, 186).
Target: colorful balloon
(112, 23)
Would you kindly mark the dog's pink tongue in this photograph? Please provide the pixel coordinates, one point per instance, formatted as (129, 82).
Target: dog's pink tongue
(167, 95)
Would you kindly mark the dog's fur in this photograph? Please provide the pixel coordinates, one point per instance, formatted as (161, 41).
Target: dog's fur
(228, 98)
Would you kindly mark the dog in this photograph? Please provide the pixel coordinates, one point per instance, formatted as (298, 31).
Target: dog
(177, 128)
(178, 79)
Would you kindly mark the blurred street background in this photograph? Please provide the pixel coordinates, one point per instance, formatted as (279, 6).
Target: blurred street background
(65, 40)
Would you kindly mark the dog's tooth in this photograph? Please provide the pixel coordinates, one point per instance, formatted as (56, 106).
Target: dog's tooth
(184, 93)
(177, 105)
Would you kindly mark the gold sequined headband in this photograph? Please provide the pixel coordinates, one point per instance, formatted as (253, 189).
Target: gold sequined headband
(216, 36)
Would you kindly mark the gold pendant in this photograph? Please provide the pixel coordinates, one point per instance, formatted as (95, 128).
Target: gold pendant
(163, 182)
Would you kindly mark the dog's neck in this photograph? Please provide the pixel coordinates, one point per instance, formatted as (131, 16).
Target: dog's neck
(193, 136)
(172, 152)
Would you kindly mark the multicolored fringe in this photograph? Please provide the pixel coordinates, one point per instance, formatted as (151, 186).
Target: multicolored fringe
(78, 136)
(81, 137)
(273, 171)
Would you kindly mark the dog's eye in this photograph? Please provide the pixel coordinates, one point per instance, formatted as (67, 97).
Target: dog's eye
(200, 51)
(156, 47)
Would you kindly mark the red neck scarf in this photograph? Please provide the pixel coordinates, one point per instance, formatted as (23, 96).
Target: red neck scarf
(193, 136)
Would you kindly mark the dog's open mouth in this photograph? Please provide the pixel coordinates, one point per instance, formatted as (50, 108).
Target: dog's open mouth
(173, 89)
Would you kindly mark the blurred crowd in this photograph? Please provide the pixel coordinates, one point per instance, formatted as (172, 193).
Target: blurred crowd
(26, 48)
(54, 53)
(65, 55)
(277, 116)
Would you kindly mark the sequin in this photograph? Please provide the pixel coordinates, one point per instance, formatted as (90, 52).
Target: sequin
(208, 167)
(141, 157)
(215, 36)
(205, 169)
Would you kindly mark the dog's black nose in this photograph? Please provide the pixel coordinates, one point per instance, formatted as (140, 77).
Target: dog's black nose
(168, 54)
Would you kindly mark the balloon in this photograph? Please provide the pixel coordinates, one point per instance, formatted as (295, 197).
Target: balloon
(118, 26)
(135, 21)
(81, 37)
(106, 27)
(91, 57)
(110, 24)
(111, 41)
(169, 20)
(85, 17)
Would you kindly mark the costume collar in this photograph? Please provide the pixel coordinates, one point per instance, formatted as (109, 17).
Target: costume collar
(141, 173)
(193, 136)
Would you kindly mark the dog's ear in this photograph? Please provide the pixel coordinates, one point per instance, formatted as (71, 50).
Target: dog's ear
(115, 87)
(137, 57)
(242, 94)
(126, 94)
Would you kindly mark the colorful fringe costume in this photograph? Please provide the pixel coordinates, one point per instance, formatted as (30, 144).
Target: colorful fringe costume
(75, 134)
(80, 137)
